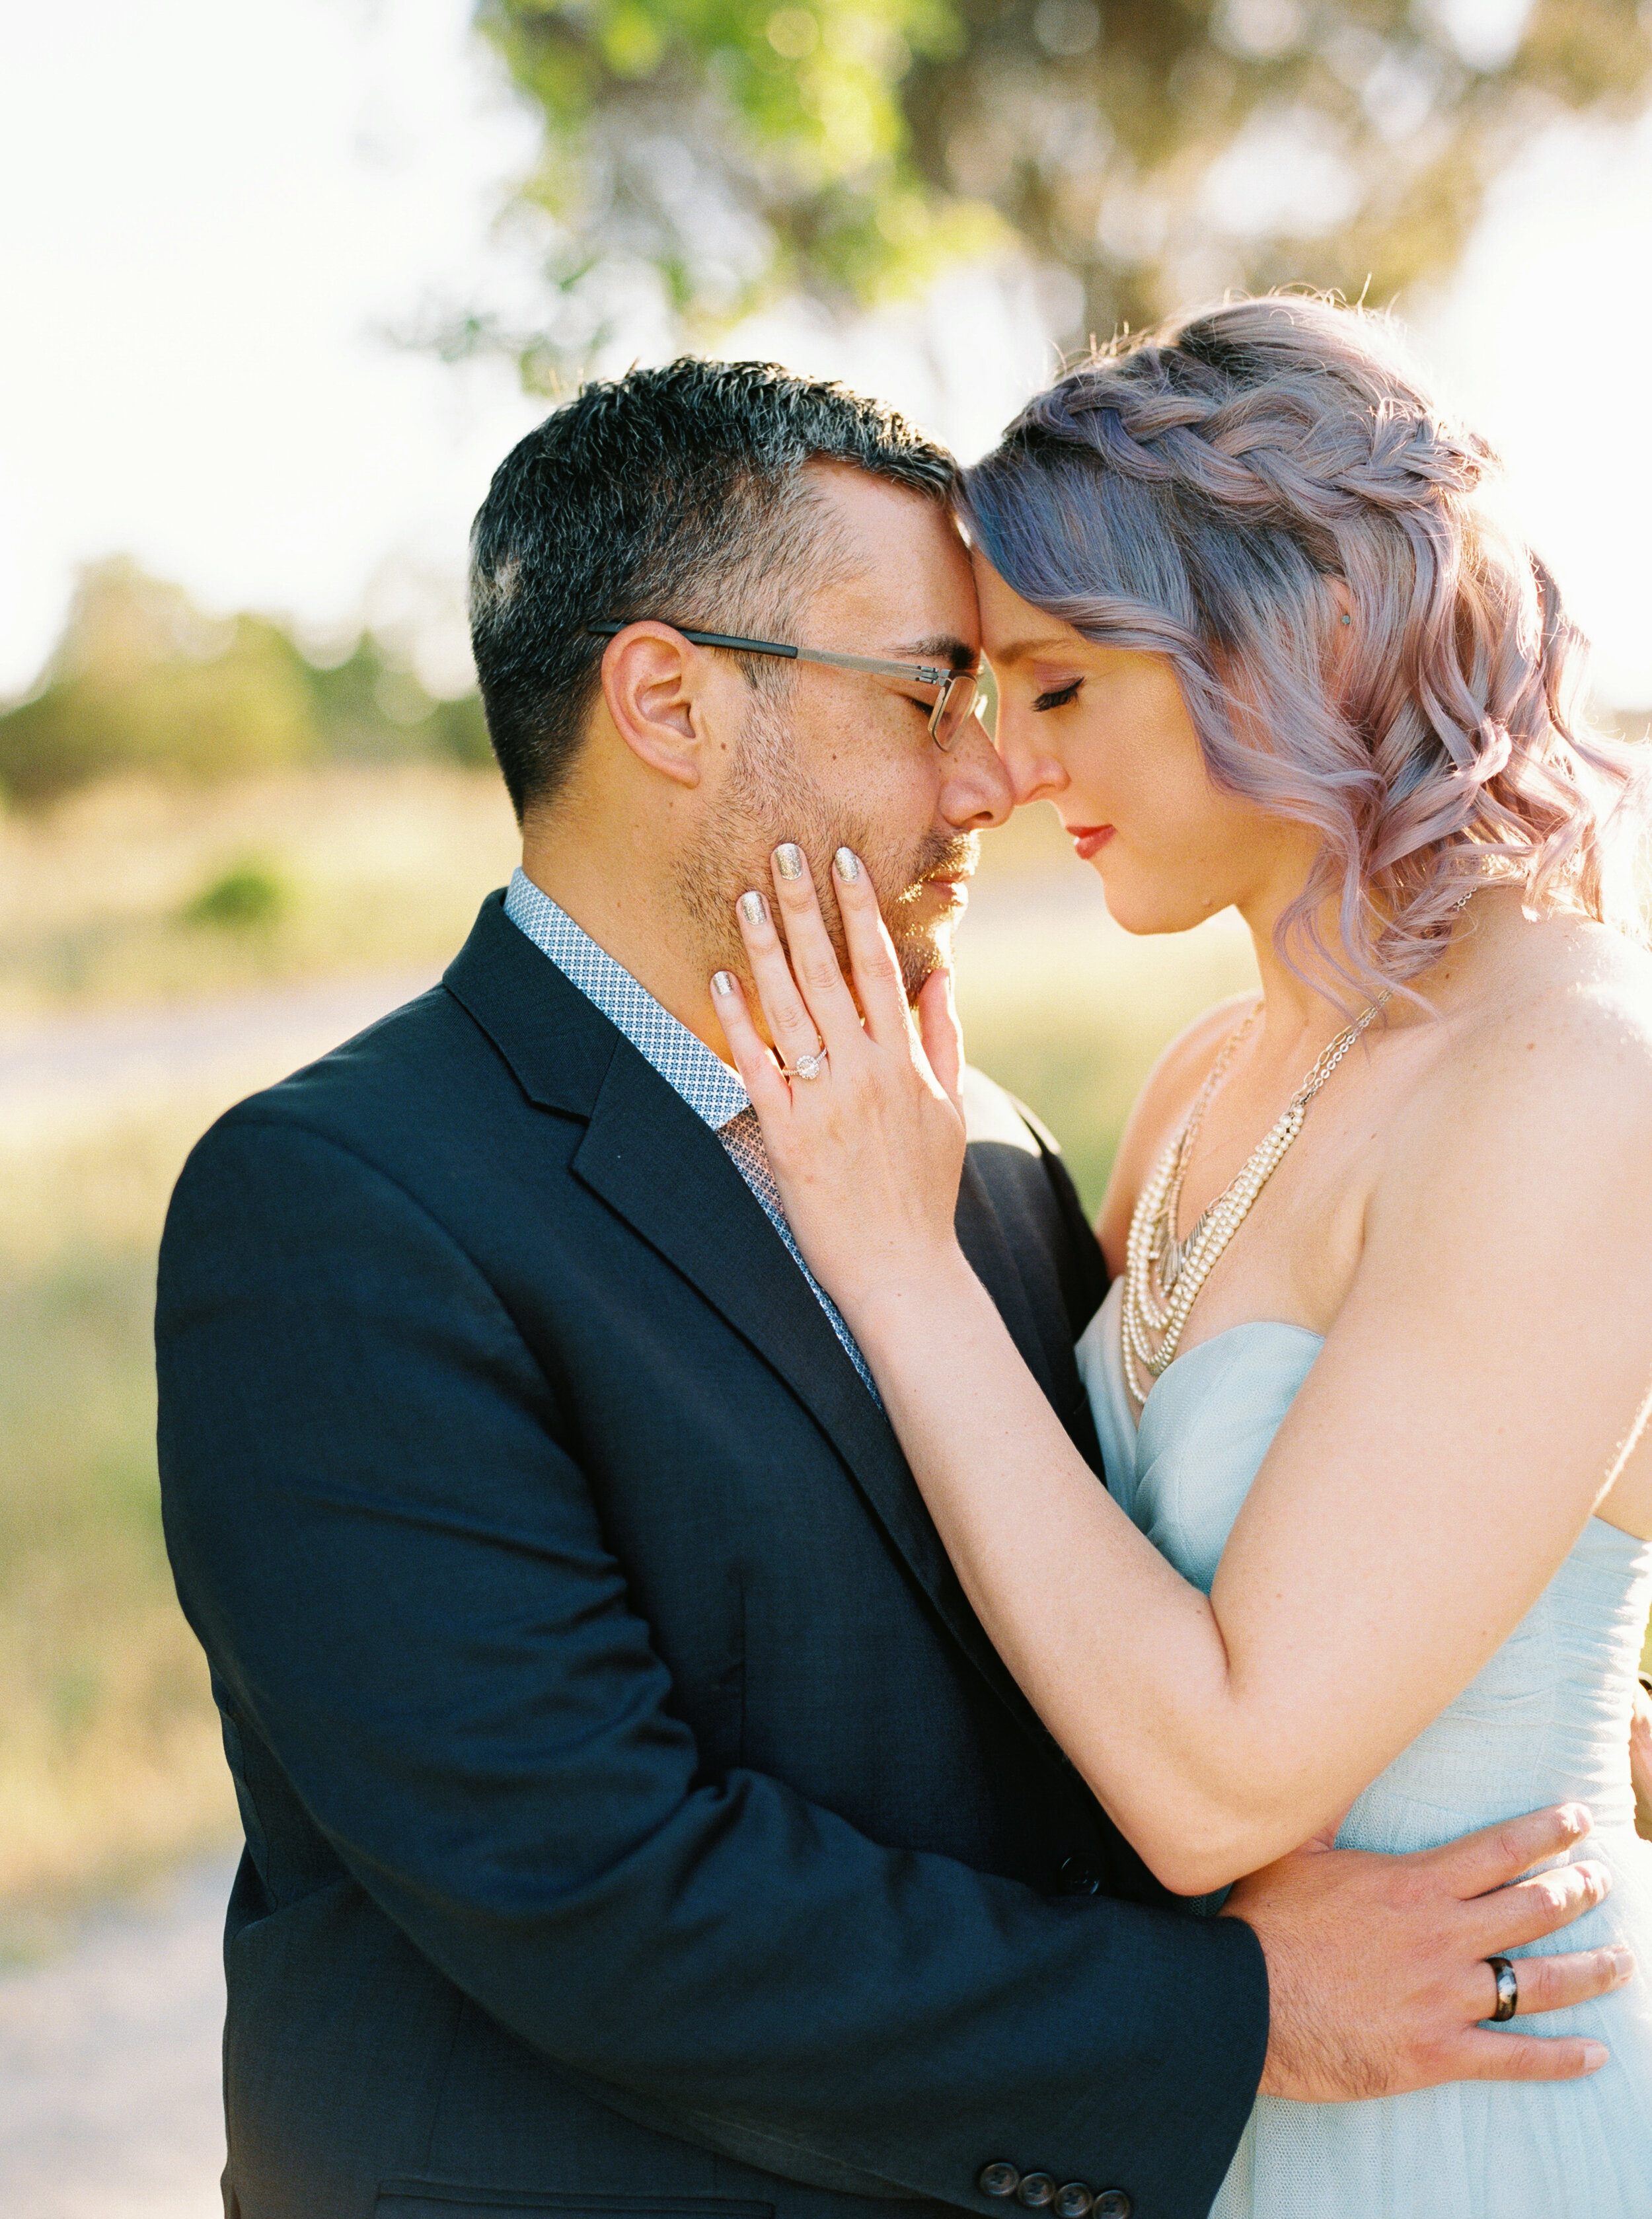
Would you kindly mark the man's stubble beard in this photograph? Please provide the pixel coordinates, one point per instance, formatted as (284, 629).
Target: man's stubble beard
(771, 799)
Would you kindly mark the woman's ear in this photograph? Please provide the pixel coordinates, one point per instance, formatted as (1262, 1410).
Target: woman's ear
(654, 685)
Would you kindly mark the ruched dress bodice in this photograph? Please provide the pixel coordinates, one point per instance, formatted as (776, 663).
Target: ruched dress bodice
(1545, 1721)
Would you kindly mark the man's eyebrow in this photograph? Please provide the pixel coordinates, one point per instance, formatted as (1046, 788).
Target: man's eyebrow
(939, 647)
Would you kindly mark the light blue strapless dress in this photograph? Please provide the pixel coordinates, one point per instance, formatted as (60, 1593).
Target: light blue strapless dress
(1546, 1721)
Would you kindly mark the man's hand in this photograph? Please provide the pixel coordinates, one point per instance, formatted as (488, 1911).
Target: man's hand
(1640, 1759)
(1376, 1964)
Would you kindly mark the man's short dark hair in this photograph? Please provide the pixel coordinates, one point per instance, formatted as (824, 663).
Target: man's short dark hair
(675, 492)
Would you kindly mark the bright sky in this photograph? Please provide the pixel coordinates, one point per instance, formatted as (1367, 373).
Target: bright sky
(213, 212)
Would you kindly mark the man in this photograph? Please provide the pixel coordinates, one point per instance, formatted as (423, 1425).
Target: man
(637, 1817)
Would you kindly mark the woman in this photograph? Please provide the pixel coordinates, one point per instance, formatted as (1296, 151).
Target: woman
(1372, 1380)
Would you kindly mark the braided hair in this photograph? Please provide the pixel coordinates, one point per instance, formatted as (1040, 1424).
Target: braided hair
(1204, 493)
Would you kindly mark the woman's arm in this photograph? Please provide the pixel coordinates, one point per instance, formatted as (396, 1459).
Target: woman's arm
(1480, 1392)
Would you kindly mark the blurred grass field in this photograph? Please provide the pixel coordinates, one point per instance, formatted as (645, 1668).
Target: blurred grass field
(133, 890)
(109, 1761)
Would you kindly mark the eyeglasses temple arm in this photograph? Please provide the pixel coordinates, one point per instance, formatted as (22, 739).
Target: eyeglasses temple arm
(713, 639)
(878, 665)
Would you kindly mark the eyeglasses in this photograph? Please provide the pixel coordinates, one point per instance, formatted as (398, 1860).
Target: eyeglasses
(957, 692)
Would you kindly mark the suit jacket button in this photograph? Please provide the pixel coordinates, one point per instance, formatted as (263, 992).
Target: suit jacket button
(1112, 2203)
(1036, 2189)
(1073, 2201)
(999, 2179)
(1079, 1877)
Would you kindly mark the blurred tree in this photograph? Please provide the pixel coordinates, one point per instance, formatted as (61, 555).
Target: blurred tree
(710, 154)
(372, 708)
(141, 681)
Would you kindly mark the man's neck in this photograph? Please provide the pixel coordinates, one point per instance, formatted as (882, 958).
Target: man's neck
(619, 900)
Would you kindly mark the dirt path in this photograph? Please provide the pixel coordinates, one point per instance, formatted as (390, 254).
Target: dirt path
(79, 1071)
(66, 1074)
(109, 2102)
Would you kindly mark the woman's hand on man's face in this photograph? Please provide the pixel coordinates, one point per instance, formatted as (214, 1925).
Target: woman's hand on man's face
(868, 1154)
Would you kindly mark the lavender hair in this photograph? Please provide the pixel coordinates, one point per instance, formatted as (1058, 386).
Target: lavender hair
(1200, 493)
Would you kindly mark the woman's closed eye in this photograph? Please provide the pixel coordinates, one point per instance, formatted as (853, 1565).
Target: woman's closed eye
(1059, 699)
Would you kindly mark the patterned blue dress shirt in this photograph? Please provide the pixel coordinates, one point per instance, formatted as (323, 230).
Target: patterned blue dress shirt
(712, 1091)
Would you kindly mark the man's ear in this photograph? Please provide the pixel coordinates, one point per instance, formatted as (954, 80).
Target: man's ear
(655, 688)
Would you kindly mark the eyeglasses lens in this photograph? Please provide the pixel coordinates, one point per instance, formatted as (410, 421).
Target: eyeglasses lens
(954, 706)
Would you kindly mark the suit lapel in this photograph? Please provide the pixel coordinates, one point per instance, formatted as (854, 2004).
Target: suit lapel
(668, 1176)
(662, 1169)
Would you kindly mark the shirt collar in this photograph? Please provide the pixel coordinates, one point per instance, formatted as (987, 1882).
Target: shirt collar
(712, 1091)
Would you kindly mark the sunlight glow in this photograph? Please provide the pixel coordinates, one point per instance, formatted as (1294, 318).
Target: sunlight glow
(216, 219)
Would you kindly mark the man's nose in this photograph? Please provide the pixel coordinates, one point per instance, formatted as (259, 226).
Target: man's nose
(975, 789)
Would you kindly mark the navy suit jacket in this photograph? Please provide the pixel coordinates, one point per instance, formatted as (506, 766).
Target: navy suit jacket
(637, 1819)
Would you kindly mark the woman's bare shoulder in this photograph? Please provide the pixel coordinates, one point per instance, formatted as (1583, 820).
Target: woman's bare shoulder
(1572, 1004)
(1556, 1056)
(1166, 1098)
(1511, 1217)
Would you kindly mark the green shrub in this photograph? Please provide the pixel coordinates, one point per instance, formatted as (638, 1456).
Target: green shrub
(247, 895)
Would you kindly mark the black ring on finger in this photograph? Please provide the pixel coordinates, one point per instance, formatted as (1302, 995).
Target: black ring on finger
(1508, 1989)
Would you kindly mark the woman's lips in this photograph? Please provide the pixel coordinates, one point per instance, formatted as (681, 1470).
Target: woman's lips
(1089, 839)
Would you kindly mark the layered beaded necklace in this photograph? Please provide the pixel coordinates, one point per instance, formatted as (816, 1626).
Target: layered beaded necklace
(1162, 1275)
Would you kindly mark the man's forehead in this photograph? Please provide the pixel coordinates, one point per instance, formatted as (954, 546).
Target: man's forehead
(914, 618)
(902, 572)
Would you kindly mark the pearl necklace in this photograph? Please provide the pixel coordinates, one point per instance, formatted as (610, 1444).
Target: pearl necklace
(1162, 1275)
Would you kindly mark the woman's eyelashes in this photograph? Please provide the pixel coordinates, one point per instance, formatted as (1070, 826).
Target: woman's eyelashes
(1058, 700)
